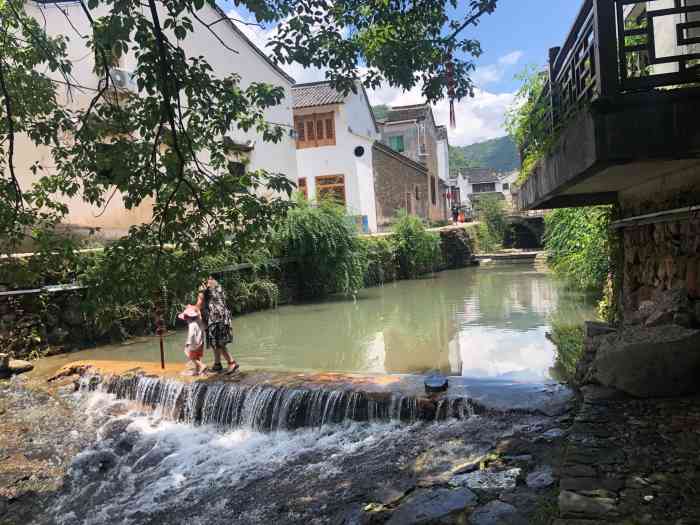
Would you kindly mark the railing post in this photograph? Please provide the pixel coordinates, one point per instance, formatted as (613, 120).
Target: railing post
(553, 88)
(605, 14)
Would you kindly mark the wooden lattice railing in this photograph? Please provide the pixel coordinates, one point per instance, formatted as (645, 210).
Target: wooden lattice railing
(618, 47)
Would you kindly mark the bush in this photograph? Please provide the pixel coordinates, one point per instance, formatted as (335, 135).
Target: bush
(568, 338)
(577, 246)
(327, 245)
(381, 261)
(493, 224)
(417, 250)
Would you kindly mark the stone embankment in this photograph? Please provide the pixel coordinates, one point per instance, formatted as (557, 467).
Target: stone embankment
(632, 451)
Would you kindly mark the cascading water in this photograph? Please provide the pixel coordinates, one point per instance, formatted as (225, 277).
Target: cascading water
(228, 405)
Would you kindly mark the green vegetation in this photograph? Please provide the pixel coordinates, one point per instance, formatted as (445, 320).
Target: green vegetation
(527, 121)
(327, 246)
(381, 261)
(576, 240)
(493, 225)
(380, 111)
(568, 338)
(417, 250)
(499, 154)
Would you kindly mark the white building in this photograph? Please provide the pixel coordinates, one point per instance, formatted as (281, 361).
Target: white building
(473, 183)
(248, 61)
(335, 138)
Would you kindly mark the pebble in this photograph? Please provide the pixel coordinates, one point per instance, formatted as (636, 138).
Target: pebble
(540, 478)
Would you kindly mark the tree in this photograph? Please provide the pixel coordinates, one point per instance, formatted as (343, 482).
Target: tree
(153, 145)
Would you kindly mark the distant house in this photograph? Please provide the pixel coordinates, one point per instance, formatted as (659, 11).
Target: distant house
(339, 155)
(474, 183)
(412, 131)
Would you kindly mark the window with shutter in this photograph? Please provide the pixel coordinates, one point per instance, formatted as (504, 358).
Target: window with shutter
(331, 186)
(303, 188)
(315, 130)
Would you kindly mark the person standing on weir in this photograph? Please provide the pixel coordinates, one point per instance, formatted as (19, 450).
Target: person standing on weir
(212, 303)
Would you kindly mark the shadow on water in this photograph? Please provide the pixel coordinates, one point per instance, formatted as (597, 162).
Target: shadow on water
(487, 322)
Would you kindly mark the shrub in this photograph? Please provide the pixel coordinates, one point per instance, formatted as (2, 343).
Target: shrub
(493, 224)
(568, 339)
(381, 261)
(417, 250)
(576, 241)
(328, 248)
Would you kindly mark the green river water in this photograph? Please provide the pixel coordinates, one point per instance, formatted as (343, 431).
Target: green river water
(487, 322)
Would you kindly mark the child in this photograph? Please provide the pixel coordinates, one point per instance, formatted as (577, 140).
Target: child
(194, 345)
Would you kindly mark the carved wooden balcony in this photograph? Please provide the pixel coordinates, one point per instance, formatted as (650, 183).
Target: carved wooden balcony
(620, 103)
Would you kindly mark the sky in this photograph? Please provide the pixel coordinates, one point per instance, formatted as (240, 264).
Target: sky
(518, 34)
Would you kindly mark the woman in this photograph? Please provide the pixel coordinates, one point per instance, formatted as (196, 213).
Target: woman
(217, 316)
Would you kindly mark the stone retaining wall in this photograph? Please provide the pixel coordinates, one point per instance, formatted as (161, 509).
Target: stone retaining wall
(660, 257)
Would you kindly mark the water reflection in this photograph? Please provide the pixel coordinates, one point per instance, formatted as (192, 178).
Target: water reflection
(480, 322)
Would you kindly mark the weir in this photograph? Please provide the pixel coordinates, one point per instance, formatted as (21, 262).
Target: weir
(265, 408)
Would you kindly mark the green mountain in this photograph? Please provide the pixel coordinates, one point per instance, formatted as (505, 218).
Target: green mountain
(499, 154)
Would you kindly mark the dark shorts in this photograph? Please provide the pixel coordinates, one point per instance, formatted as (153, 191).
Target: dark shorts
(218, 335)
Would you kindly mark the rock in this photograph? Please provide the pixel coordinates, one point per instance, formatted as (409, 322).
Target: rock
(573, 505)
(551, 435)
(525, 501)
(432, 506)
(497, 513)
(58, 336)
(540, 478)
(666, 305)
(72, 316)
(15, 367)
(595, 329)
(651, 362)
(488, 479)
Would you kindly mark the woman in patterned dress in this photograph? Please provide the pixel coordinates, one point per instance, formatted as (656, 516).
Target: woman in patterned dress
(217, 316)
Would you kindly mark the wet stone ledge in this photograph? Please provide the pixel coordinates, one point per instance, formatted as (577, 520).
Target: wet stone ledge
(632, 461)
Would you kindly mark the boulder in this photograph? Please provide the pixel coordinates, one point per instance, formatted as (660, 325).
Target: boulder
(15, 367)
(540, 478)
(650, 362)
(488, 479)
(433, 506)
(497, 513)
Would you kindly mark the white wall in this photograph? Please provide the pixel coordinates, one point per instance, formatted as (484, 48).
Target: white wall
(115, 220)
(353, 127)
(443, 155)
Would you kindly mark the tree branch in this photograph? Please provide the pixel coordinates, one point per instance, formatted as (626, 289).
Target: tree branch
(19, 204)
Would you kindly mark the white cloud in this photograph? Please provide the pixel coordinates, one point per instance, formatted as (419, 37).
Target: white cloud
(478, 118)
(511, 58)
(491, 73)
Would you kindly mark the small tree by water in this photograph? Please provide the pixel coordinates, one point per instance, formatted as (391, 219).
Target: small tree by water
(417, 250)
(493, 223)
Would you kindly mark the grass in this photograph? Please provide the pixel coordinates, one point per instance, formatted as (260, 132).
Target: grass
(568, 338)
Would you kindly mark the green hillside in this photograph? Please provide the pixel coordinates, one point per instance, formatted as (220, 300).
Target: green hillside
(499, 154)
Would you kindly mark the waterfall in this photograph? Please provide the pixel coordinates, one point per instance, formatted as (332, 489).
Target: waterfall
(227, 405)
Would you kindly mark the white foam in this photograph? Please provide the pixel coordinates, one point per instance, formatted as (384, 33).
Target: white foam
(173, 461)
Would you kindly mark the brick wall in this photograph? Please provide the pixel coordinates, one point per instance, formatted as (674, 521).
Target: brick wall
(396, 179)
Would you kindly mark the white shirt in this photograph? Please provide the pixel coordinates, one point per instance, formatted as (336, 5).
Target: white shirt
(195, 334)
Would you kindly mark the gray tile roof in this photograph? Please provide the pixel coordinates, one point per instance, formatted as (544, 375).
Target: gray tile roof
(414, 112)
(315, 94)
(480, 175)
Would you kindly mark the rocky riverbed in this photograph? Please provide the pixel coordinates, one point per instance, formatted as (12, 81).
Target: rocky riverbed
(70, 458)
(88, 458)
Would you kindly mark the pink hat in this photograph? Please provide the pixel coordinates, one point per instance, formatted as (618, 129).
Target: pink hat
(190, 311)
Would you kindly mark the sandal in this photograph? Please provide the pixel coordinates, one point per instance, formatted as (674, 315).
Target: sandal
(232, 370)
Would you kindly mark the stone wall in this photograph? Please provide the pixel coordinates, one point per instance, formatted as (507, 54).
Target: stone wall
(399, 184)
(660, 257)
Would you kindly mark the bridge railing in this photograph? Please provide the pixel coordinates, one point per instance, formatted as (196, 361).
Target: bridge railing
(616, 48)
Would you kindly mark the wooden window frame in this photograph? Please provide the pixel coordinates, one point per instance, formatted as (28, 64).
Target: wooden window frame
(325, 183)
(303, 187)
(478, 187)
(433, 190)
(315, 130)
